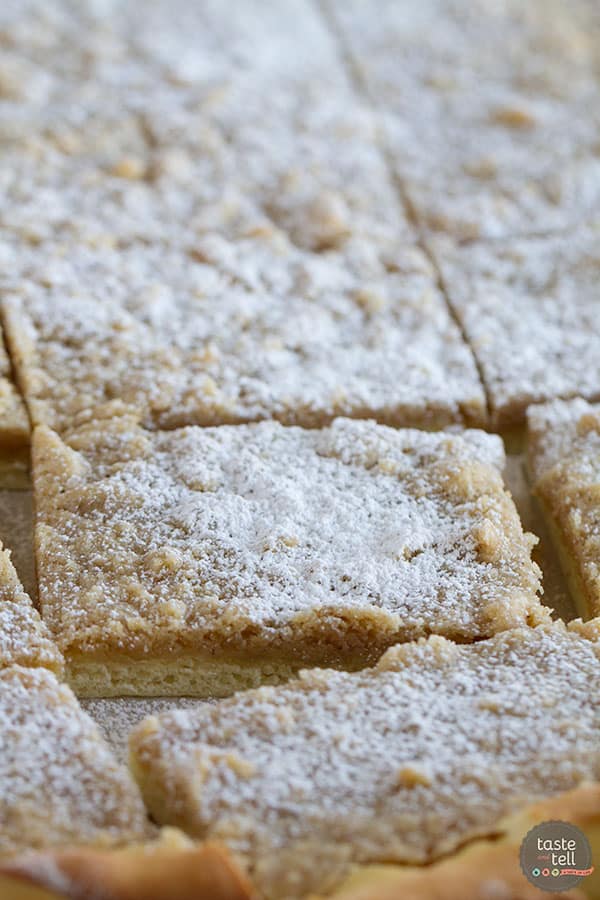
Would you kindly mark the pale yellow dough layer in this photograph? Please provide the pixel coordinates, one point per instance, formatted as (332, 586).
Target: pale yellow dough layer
(172, 676)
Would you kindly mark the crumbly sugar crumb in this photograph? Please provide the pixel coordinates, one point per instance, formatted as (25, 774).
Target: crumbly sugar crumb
(401, 763)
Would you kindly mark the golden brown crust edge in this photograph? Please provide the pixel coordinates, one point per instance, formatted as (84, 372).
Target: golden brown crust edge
(172, 869)
(486, 868)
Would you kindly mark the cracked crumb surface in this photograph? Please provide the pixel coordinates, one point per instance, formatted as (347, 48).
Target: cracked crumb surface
(179, 105)
(509, 90)
(564, 459)
(229, 331)
(529, 308)
(330, 543)
(401, 763)
(59, 783)
(228, 238)
(24, 638)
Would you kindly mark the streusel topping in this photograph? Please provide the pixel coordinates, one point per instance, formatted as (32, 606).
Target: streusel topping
(344, 539)
(236, 330)
(529, 308)
(401, 763)
(59, 783)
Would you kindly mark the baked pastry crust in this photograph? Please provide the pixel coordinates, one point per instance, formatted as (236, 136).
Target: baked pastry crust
(223, 557)
(564, 464)
(24, 638)
(172, 868)
(403, 763)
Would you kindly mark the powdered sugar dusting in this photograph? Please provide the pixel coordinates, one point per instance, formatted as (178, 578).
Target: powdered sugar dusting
(338, 540)
(529, 307)
(24, 638)
(401, 763)
(59, 783)
(490, 109)
(231, 331)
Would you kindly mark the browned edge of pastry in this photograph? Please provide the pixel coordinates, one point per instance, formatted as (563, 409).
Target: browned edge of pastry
(171, 869)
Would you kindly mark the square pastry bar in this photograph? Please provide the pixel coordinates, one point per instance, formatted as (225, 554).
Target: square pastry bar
(529, 308)
(185, 102)
(508, 90)
(564, 465)
(400, 764)
(202, 560)
(236, 330)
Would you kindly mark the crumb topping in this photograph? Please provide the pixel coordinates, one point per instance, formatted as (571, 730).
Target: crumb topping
(401, 763)
(345, 538)
(233, 331)
(24, 638)
(59, 783)
(529, 308)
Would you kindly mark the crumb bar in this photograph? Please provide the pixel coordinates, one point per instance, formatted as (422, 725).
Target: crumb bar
(185, 105)
(564, 463)
(201, 560)
(529, 309)
(59, 784)
(490, 109)
(403, 763)
(231, 331)
(24, 638)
